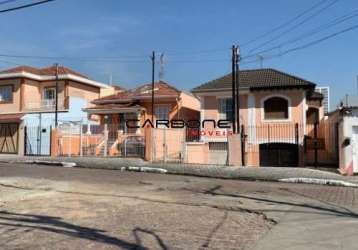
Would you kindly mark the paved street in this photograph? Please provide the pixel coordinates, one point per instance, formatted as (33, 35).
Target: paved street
(70, 208)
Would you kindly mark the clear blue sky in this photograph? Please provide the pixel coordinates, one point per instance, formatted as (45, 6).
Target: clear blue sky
(117, 28)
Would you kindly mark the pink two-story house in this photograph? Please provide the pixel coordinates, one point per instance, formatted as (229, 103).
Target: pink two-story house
(275, 108)
(28, 98)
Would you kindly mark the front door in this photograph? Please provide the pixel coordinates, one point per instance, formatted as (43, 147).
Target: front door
(9, 138)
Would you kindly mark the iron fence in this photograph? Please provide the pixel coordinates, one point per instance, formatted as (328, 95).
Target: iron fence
(37, 140)
(99, 140)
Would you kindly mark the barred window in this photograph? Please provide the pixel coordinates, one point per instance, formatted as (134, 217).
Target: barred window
(50, 93)
(225, 109)
(276, 108)
(6, 93)
(162, 112)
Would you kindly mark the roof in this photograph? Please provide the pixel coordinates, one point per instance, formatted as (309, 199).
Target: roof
(256, 79)
(112, 108)
(161, 90)
(49, 73)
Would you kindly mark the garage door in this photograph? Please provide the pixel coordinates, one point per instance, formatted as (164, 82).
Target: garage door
(279, 155)
(9, 138)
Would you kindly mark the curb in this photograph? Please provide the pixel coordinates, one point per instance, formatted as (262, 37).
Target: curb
(146, 169)
(51, 163)
(231, 173)
(328, 182)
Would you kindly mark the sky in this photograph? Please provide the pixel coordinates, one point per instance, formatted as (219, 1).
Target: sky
(116, 38)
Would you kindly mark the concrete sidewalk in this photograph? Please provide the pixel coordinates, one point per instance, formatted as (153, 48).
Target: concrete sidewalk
(214, 171)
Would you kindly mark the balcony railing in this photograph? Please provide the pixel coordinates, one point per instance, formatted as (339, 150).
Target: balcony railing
(46, 105)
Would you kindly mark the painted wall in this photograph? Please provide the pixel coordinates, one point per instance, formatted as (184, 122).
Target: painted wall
(14, 106)
(349, 152)
(252, 116)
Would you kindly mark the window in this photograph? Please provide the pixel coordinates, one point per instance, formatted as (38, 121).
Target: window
(49, 93)
(276, 108)
(6, 93)
(225, 109)
(162, 112)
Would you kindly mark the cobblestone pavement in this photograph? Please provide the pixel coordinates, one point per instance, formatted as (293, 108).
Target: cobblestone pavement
(57, 208)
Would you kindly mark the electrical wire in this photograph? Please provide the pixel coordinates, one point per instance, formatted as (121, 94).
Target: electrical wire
(54, 58)
(312, 43)
(123, 59)
(290, 29)
(310, 33)
(284, 24)
(25, 6)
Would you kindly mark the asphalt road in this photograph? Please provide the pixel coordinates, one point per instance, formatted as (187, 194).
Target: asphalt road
(59, 208)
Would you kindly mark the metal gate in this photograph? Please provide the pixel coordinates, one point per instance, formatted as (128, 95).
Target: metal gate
(38, 141)
(168, 144)
(279, 154)
(9, 138)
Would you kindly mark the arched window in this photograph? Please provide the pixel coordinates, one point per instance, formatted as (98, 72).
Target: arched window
(312, 115)
(276, 108)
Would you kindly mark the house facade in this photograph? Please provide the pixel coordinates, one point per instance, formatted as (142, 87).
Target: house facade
(131, 123)
(28, 99)
(276, 109)
(346, 116)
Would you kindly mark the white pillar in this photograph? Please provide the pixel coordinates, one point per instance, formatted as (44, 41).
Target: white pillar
(138, 131)
(105, 139)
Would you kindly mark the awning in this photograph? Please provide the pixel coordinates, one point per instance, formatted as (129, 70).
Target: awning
(11, 117)
(114, 109)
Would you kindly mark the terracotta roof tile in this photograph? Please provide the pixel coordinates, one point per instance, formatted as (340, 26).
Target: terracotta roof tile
(257, 79)
(50, 71)
(161, 89)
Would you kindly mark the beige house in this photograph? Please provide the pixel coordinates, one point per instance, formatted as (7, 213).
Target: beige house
(28, 98)
(276, 109)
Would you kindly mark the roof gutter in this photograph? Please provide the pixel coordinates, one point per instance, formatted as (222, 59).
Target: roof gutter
(52, 78)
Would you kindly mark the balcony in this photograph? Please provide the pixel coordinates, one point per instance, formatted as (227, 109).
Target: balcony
(46, 105)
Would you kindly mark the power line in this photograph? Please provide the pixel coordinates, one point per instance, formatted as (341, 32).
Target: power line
(312, 43)
(190, 53)
(25, 6)
(320, 40)
(114, 60)
(72, 58)
(316, 13)
(285, 23)
(126, 59)
(310, 33)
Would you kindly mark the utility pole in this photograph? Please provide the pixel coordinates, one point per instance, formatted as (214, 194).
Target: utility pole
(153, 72)
(233, 76)
(56, 100)
(237, 78)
